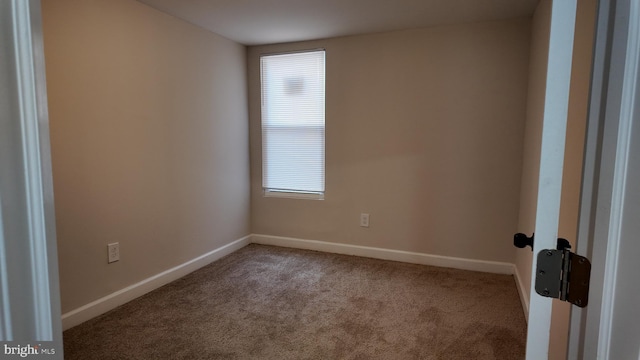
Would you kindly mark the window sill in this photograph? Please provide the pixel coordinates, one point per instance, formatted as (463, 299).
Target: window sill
(293, 195)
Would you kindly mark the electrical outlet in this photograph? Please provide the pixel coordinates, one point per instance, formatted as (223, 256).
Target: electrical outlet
(364, 220)
(114, 252)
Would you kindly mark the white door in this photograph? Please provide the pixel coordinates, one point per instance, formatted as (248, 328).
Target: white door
(608, 328)
(563, 15)
(29, 294)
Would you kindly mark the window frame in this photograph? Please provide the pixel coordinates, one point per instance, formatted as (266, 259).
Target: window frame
(290, 193)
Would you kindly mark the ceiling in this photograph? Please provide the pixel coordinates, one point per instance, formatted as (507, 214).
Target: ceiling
(256, 22)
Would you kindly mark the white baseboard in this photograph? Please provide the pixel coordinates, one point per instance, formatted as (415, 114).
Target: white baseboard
(387, 254)
(524, 296)
(120, 297)
(111, 301)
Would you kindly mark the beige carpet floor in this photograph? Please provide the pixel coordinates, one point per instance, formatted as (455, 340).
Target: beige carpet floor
(265, 302)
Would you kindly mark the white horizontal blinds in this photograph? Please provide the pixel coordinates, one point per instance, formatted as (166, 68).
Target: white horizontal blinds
(293, 122)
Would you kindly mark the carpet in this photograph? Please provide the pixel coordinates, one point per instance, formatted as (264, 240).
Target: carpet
(265, 302)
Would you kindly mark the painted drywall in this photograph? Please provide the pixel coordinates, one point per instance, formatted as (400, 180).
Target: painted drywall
(149, 142)
(574, 147)
(423, 131)
(540, 30)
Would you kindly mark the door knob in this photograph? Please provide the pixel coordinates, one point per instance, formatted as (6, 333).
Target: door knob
(522, 240)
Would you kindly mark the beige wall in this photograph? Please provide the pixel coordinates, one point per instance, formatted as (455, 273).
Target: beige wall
(540, 27)
(423, 132)
(149, 142)
(572, 171)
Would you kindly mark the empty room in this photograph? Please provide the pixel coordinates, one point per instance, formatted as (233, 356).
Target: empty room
(300, 179)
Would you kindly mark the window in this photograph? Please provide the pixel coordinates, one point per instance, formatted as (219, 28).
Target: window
(293, 124)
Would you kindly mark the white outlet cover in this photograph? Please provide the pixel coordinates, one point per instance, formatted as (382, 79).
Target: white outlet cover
(113, 252)
(364, 220)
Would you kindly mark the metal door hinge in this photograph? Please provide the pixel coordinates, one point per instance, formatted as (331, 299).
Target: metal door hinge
(563, 275)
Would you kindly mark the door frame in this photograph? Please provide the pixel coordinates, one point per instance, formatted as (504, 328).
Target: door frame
(616, 70)
(30, 301)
